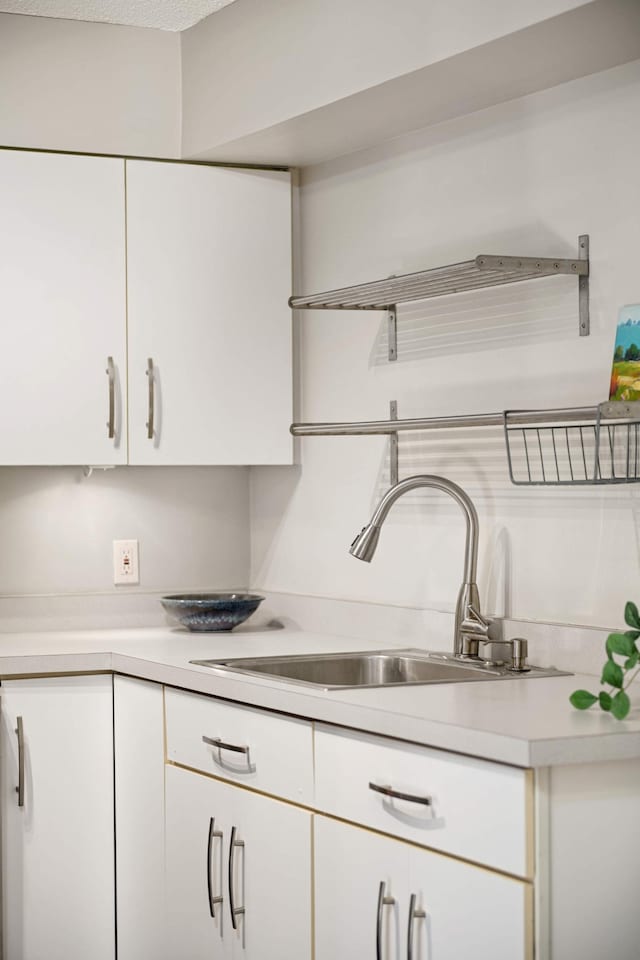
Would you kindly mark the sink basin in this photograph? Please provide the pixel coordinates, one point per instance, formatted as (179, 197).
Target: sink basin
(375, 668)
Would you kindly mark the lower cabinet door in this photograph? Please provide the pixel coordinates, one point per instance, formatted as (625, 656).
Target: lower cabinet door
(384, 899)
(238, 872)
(361, 893)
(58, 881)
(458, 911)
(197, 814)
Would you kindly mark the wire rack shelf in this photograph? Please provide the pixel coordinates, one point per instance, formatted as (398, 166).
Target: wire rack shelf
(600, 450)
(486, 270)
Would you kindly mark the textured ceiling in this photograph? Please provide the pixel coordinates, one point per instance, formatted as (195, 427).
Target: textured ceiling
(162, 14)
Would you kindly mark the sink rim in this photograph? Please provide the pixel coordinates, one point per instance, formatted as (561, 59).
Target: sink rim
(473, 671)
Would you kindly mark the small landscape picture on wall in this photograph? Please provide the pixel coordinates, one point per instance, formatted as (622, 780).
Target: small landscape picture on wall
(625, 373)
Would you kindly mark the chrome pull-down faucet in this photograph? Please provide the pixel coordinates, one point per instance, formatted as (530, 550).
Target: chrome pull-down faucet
(471, 627)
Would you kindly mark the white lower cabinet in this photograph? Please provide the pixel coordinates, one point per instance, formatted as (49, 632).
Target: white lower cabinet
(139, 792)
(369, 854)
(385, 899)
(57, 819)
(361, 893)
(238, 872)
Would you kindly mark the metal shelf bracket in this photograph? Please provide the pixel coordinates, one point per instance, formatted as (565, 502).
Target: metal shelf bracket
(393, 446)
(392, 332)
(583, 287)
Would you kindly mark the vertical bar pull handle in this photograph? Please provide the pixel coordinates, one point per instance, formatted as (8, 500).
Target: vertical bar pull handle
(235, 911)
(111, 423)
(413, 915)
(213, 834)
(382, 901)
(149, 423)
(20, 787)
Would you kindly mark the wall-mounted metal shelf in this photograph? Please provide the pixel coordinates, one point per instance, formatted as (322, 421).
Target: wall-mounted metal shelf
(486, 270)
(579, 445)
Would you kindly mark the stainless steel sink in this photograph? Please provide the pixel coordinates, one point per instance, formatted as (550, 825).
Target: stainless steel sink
(373, 668)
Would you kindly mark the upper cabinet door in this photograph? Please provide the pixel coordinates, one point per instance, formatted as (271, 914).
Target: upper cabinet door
(209, 274)
(62, 309)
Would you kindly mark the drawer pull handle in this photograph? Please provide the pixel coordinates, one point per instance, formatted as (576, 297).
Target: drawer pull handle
(382, 901)
(413, 915)
(235, 911)
(213, 834)
(398, 795)
(20, 787)
(221, 745)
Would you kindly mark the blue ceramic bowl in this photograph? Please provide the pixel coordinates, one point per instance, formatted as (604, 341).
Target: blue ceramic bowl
(211, 612)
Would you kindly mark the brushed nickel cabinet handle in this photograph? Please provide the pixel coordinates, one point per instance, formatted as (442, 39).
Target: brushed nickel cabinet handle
(235, 911)
(382, 901)
(111, 423)
(20, 787)
(149, 423)
(413, 915)
(213, 834)
(398, 795)
(221, 745)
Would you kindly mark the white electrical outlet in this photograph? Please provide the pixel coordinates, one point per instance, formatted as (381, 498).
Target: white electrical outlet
(125, 562)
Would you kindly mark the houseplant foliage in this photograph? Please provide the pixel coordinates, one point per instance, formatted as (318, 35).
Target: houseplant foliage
(617, 674)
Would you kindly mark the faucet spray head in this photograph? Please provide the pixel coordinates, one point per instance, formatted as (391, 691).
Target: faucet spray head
(364, 545)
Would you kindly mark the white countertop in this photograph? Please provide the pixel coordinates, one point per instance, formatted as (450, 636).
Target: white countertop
(525, 722)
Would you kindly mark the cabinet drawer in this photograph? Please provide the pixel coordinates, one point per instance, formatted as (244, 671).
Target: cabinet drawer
(475, 809)
(253, 747)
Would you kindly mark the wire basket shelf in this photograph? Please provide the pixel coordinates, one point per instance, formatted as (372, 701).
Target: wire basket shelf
(601, 451)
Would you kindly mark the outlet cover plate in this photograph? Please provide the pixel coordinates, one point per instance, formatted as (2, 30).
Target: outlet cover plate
(125, 562)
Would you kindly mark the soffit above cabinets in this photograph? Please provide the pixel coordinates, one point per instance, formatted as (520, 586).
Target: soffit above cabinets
(590, 38)
(174, 15)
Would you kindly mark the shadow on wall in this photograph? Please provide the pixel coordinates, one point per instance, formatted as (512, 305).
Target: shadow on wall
(277, 486)
(477, 460)
(498, 573)
(535, 311)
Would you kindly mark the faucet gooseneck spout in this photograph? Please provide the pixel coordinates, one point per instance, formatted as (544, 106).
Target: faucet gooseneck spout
(470, 625)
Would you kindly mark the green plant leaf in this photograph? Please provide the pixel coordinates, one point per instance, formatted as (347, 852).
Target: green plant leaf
(620, 705)
(582, 699)
(634, 634)
(620, 643)
(632, 661)
(631, 615)
(612, 674)
(605, 701)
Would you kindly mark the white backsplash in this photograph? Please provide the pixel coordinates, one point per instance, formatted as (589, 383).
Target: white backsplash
(574, 648)
(566, 647)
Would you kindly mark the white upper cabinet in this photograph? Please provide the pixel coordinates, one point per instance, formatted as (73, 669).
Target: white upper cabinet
(209, 274)
(175, 282)
(63, 309)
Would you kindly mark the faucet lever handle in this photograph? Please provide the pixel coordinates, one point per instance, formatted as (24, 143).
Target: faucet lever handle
(474, 623)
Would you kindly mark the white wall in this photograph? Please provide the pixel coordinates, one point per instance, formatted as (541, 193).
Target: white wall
(57, 527)
(92, 87)
(525, 177)
(257, 63)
